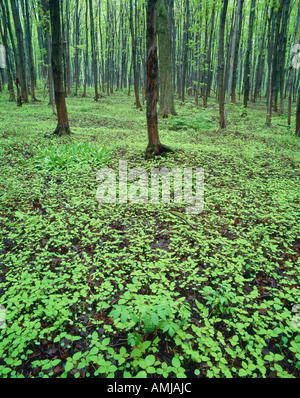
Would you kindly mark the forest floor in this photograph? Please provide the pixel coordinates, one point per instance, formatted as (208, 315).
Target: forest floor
(125, 290)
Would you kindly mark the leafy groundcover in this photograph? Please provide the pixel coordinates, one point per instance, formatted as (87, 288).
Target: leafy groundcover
(132, 290)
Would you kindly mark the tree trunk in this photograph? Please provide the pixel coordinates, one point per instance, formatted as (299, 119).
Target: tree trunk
(233, 52)
(76, 60)
(185, 49)
(248, 55)
(45, 11)
(275, 67)
(298, 115)
(236, 53)
(21, 50)
(166, 96)
(154, 146)
(221, 64)
(27, 26)
(282, 51)
(62, 114)
(4, 36)
(86, 55)
(293, 70)
(135, 76)
(94, 55)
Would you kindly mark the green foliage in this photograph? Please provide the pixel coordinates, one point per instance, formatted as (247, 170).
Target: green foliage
(94, 290)
(69, 156)
(198, 123)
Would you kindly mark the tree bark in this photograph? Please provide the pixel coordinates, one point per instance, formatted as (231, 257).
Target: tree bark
(21, 50)
(4, 36)
(248, 55)
(221, 64)
(185, 50)
(27, 26)
(166, 96)
(293, 70)
(232, 56)
(154, 146)
(236, 53)
(135, 76)
(62, 114)
(45, 10)
(94, 55)
(298, 115)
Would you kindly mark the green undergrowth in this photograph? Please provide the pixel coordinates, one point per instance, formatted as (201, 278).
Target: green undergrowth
(132, 290)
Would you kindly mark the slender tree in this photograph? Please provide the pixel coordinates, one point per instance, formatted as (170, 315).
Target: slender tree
(4, 36)
(166, 96)
(134, 62)
(94, 52)
(21, 50)
(154, 145)
(248, 55)
(62, 114)
(221, 64)
(298, 115)
(292, 68)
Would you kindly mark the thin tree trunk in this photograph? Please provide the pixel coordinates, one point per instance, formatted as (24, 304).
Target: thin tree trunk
(4, 36)
(233, 52)
(185, 50)
(86, 55)
(62, 114)
(154, 146)
(293, 70)
(221, 64)
(45, 10)
(248, 55)
(236, 53)
(94, 55)
(298, 115)
(21, 50)
(166, 97)
(135, 76)
(27, 26)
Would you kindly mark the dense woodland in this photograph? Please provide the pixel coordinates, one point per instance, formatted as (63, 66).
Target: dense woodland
(206, 48)
(91, 289)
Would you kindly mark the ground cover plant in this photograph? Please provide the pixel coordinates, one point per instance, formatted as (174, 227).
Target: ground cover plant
(112, 290)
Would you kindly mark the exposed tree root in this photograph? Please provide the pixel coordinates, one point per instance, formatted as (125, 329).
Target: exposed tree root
(157, 150)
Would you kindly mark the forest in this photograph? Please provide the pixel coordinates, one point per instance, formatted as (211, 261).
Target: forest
(149, 189)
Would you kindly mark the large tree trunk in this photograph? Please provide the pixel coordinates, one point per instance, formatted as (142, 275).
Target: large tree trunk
(166, 97)
(154, 145)
(62, 114)
(221, 64)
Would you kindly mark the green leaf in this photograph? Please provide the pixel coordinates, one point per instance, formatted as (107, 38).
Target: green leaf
(150, 359)
(77, 355)
(142, 374)
(69, 366)
(242, 373)
(175, 362)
